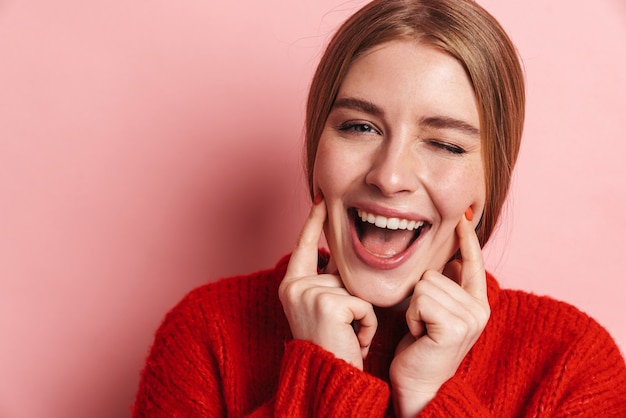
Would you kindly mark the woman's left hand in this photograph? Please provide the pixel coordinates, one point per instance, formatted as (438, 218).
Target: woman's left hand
(446, 315)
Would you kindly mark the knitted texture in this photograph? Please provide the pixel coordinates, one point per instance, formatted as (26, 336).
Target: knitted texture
(226, 350)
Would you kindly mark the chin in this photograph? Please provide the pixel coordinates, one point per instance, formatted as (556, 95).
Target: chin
(384, 287)
(380, 288)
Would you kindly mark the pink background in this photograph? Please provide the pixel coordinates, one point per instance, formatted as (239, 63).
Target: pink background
(147, 147)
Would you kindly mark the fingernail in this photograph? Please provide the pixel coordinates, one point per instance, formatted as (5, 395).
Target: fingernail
(318, 198)
(469, 214)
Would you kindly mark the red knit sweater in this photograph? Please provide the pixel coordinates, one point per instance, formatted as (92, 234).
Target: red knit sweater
(226, 350)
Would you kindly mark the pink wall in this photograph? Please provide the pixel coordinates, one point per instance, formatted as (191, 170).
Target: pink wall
(149, 146)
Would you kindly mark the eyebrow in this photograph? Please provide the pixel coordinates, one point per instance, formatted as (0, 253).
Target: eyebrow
(445, 122)
(358, 104)
(435, 122)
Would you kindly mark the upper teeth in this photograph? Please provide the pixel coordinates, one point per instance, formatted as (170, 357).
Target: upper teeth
(389, 223)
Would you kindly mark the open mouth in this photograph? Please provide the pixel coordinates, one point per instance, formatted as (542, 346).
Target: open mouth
(386, 237)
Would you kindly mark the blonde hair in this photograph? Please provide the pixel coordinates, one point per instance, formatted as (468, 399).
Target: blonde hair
(468, 33)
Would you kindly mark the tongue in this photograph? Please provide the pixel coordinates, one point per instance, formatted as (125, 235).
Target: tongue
(385, 242)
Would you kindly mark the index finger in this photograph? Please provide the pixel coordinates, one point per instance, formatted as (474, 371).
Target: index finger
(303, 261)
(473, 276)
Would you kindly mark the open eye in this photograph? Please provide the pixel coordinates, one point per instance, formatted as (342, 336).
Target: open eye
(358, 128)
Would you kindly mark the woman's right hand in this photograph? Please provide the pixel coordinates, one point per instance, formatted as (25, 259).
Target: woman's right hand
(318, 307)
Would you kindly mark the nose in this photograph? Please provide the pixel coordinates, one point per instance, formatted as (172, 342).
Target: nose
(394, 169)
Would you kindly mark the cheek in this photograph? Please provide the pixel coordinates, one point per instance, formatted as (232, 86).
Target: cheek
(327, 170)
(456, 189)
(322, 168)
(336, 167)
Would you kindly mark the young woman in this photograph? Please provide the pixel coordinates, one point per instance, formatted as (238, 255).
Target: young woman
(413, 127)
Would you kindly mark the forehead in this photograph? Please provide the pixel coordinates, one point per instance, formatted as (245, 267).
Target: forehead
(408, 76)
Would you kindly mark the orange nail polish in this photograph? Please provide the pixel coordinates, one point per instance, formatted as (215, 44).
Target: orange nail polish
(318, 198)
(469, 214)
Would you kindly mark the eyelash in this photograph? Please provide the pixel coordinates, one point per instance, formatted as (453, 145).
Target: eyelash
(453, 149)
(357, 128)
(365, 128)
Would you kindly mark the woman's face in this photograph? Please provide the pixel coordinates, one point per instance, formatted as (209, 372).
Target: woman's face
(398, 163)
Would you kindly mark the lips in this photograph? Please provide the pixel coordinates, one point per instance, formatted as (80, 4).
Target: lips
(384, 241)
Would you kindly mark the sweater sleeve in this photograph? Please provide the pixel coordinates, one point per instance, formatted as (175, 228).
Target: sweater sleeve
(455, 399)
(586, 380)
(589, 380)
(180, 377)
(195, 369)
(313, 382)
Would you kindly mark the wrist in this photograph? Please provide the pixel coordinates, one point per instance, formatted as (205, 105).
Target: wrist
(410, 403)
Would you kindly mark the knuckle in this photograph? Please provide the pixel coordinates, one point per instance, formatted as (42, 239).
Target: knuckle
(283, 290)
(481, 312)
(289, 290)
(474, 324)
(422, 287)
(421, 299)
(429, 276)
(459, 330)
(484, 316)
(324, 303)
(306, 294)
(283, 295)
